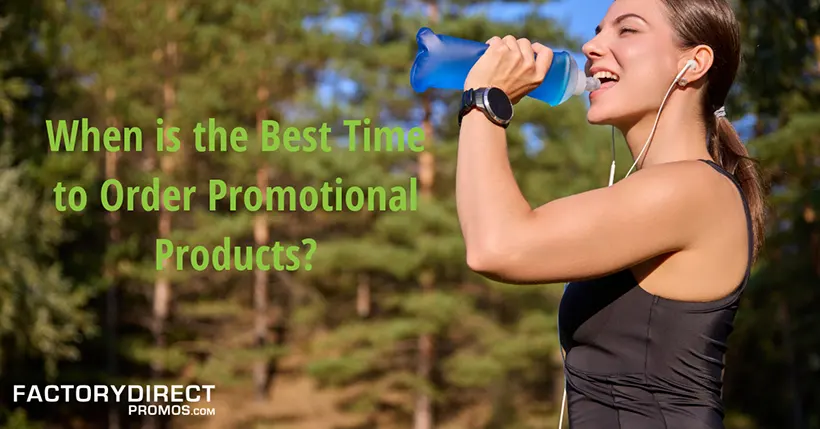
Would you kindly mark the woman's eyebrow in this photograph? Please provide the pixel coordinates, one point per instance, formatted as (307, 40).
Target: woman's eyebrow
(621, 18)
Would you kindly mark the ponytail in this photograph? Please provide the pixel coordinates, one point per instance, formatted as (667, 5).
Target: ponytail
(729, 152)
(713, 23)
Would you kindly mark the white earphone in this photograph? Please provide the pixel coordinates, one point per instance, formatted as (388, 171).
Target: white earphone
(689, 65)
(678, 81)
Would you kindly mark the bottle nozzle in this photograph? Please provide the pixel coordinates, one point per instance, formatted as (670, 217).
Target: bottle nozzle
(584, 83)
(592, 84)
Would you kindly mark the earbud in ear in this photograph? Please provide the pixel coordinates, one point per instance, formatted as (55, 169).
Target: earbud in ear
(679, 79)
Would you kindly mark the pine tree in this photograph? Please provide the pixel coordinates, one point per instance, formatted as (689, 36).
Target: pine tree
(779, 91)
(488, 336)
(266, 65)
(44, 293)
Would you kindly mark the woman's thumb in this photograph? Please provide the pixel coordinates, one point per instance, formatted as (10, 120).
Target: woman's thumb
(543, 58)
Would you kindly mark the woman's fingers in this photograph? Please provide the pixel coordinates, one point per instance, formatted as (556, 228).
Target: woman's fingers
(528, 55)
(543, 58)
(516, 65)
(511, 43)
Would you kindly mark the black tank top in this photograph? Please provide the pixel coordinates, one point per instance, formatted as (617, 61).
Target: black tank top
(638, 361)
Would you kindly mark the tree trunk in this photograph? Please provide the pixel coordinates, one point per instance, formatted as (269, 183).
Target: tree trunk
(162, 284)
(817, 50)
(423, 417)
(363, 296)
(792, 376)
(113, 219)
(809, 213)
(262, 367)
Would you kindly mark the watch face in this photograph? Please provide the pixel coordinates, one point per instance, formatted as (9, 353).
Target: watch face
(500, 104)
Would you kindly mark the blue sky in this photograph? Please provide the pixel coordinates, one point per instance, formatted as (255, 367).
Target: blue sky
(578, 17)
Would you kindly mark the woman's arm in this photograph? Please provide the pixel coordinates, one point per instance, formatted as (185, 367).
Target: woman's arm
(655, 211)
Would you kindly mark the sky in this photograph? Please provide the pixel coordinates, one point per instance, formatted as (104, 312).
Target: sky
(578, 17)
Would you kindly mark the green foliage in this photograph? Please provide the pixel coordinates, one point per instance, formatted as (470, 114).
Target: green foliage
(777, 325)
(18, 419)
(41, 312)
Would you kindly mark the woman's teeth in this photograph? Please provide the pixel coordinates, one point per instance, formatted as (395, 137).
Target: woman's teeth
(605, 75)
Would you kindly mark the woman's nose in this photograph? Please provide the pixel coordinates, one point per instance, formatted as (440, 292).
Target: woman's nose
(592, 49)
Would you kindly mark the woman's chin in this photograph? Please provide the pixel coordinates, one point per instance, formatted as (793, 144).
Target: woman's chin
(597, 117)
(599, 114)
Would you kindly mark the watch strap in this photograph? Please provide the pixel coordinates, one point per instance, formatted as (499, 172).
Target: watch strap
(468, 103)
(475, 99)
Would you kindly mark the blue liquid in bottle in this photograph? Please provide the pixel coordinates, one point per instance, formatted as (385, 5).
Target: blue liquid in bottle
(443, 62)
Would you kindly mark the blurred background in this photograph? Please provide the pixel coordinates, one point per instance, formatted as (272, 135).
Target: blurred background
(389, 329)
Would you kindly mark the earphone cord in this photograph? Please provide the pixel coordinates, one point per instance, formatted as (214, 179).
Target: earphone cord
(657, 118)
(612, 167)
(564, 397)
(563, 363)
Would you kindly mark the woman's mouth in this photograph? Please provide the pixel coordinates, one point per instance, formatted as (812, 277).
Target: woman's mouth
(608, 80)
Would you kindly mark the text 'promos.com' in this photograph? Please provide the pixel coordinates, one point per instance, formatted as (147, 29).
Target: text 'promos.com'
(150, 400)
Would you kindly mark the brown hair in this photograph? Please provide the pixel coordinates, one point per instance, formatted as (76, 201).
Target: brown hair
(713, 23)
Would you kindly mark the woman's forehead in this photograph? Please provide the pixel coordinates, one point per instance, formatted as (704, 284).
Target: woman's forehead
(648, 10)
(650, 13)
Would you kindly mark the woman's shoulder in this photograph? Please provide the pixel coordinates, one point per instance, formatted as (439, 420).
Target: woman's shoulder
(687, 181)
(697, 178)
(700, 188)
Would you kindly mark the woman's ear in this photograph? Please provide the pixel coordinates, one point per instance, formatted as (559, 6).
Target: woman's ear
(702, 58)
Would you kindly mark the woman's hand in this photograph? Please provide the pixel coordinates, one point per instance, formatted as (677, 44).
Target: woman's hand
(515, 66)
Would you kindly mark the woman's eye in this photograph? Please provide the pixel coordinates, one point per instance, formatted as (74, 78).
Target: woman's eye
(627, 30)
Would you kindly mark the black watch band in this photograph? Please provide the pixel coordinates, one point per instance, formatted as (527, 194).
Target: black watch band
(493, 102)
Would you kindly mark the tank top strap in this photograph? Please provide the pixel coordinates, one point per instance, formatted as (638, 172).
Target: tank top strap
(749, 228)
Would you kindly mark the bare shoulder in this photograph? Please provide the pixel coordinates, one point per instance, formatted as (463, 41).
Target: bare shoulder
(680, 175)
(688, 188)
(698, 196)
(699, 182)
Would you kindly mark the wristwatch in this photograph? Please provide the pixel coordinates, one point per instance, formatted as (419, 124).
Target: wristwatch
(495, 104)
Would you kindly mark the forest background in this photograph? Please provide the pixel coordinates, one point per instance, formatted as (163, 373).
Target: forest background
(388, 328)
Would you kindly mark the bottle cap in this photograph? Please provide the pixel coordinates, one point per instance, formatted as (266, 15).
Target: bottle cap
(592, 84)
(584, 83)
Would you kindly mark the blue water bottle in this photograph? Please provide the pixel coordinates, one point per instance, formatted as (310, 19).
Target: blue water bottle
(443, 62)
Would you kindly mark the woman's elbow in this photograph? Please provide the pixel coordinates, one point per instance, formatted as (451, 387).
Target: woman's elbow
(478, 261)
(494, 266)
(488, 259)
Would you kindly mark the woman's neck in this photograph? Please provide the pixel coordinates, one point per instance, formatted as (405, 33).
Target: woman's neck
(680, 135)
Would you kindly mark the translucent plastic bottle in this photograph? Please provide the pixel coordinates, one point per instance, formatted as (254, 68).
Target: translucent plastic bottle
(443, 62)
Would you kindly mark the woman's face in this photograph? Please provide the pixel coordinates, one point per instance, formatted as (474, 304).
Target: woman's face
(636, 56)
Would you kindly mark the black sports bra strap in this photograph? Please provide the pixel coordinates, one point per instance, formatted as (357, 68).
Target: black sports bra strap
(749, 229)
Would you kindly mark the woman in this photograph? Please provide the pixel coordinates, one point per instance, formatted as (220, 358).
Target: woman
(655, 263)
